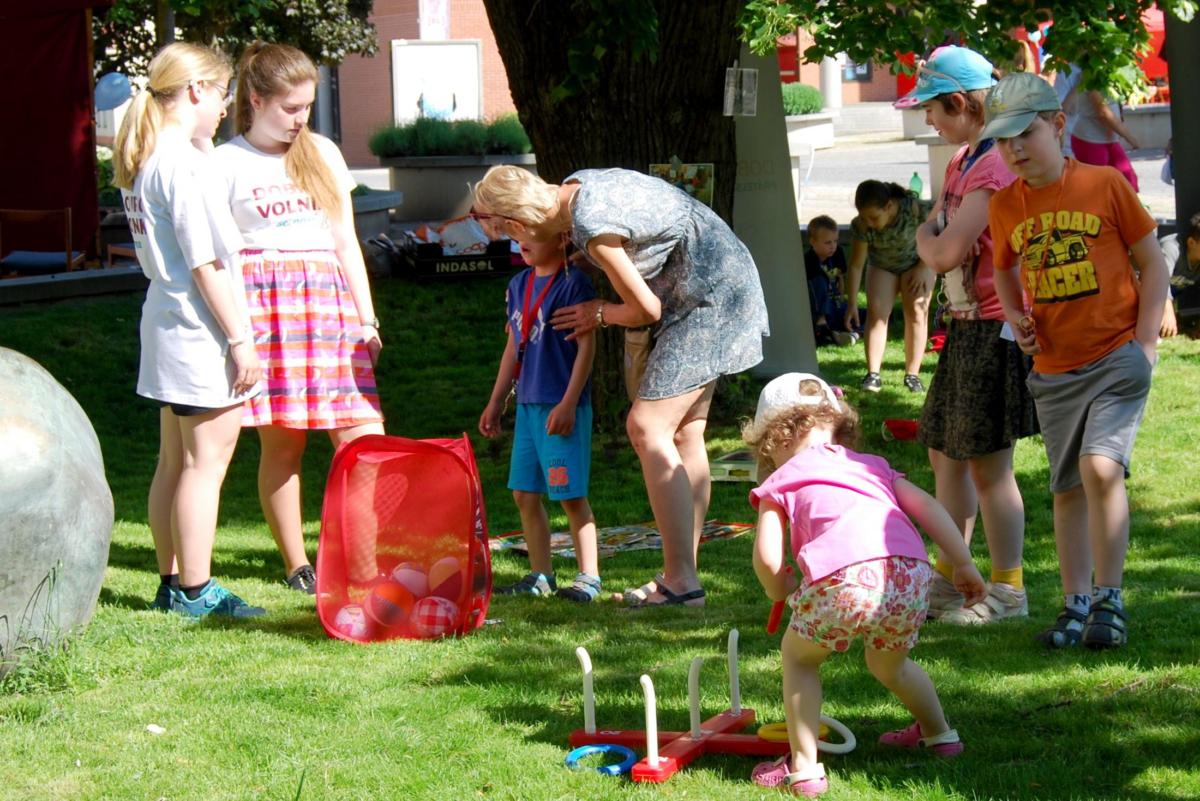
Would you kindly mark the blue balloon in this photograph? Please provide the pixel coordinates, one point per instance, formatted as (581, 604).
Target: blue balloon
(112, 90)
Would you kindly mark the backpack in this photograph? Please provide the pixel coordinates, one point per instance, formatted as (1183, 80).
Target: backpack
(403, 550)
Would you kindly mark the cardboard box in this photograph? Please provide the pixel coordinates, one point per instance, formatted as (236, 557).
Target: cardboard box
(424, 260)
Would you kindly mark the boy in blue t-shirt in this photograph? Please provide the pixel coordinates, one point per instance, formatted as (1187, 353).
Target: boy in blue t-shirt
(552, 440)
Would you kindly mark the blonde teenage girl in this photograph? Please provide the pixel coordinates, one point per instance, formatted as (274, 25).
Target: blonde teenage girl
(863, 565)
(310, 303)
(197, 359)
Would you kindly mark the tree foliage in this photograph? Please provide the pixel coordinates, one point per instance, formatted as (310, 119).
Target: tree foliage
(327, 30)
(1103, 37)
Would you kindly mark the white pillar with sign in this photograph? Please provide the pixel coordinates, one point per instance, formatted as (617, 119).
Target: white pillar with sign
(764, 217)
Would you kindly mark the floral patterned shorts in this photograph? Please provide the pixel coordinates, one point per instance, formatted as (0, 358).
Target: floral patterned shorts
(881, 600)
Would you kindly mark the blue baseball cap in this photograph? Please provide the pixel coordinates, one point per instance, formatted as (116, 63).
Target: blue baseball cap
(949, 69)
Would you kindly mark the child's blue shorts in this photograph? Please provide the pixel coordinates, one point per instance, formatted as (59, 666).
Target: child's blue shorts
(556, 466)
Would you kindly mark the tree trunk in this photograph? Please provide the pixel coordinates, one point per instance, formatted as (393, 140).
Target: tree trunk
(640, 112)
(164, 22)
(1183, 64)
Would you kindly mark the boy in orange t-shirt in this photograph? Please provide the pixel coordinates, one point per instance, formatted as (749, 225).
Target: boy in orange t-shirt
(1078, 310)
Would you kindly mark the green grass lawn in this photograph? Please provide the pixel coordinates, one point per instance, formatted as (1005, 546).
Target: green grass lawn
(273, 709)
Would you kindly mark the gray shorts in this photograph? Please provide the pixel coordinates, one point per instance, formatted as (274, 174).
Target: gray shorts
(1093, 410)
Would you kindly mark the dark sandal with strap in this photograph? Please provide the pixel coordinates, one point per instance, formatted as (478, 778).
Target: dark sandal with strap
(672, 598)
(1105, 626)
(638, 595)
(1062, 634)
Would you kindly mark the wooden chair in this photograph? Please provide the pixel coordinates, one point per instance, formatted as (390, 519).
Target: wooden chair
(39, 262)
(123, 250)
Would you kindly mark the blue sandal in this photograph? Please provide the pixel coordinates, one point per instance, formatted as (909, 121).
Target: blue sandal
(583, 589)
(1105, 626)
(1066, 631)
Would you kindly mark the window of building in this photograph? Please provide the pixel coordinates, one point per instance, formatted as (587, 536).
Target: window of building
(854, 71)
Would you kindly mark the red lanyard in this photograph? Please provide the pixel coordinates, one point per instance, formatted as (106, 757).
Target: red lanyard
(528, 315)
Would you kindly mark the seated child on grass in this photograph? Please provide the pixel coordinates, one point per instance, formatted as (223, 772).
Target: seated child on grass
(1183, 260)
(825, 271)
(552, 439)
(864, 569)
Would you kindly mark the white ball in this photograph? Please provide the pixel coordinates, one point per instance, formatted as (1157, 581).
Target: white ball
(352, 621)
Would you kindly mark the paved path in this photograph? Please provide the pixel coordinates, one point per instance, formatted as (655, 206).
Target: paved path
(887, 157)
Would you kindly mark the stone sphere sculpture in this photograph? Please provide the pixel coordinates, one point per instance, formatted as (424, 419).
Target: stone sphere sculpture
(56, 511)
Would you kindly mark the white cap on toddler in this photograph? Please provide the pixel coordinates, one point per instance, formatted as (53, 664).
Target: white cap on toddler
(783, 393)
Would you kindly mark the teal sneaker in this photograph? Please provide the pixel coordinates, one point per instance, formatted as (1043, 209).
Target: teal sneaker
(213, 600)
(162, 599)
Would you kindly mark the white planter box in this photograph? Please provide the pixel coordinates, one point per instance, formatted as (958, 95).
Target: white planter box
(914, 123)
(940, 153)
(371, 212)
(806, 131)
(1149, 123)
(439, 187)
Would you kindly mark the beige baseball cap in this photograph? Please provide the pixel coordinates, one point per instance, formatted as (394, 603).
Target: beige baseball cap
(783, 393)
(1014, 102)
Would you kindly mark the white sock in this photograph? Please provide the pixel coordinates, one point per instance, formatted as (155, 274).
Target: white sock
(1078, 601)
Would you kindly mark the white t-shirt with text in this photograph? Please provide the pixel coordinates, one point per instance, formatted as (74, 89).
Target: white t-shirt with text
(179, 221)
(270, 210)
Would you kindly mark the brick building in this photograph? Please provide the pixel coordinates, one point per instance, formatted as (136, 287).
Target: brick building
(365, 84)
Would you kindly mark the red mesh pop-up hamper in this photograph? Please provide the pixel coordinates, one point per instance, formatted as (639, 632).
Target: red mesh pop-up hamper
(403, 549)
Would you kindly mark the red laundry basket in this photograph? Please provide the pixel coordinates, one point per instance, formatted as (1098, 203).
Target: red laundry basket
(404, 546)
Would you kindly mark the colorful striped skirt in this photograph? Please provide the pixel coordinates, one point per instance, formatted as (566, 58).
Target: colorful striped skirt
(316, 368)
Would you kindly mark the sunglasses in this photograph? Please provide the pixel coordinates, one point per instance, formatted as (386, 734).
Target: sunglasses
(924, 70)
(481, 216)
(226, 92)
(500, 222)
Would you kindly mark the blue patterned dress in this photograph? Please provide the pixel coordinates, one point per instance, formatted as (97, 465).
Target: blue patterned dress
(713, 313)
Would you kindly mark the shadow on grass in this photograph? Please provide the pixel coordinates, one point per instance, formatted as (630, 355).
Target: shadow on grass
(261, 563)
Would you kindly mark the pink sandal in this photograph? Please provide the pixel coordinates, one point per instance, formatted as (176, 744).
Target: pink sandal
(946, 744)
(777, 774)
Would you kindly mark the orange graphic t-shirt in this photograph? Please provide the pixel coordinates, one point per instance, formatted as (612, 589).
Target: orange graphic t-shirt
(1073, 239)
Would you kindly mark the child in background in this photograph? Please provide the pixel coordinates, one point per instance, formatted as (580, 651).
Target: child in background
(197, 359)
(550, 377)
(978, 405)
(1092, 332)
(1184, 265)
(884, 233)
(825, 271)
(865, 571)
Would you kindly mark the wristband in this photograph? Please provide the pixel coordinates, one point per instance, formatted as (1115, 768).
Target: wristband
(600, 316)
(373, 323)
(235, 341)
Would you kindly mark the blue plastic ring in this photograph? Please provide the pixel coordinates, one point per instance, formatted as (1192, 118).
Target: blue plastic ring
(572, 760)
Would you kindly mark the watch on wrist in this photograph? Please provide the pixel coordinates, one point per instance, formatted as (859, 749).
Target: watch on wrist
(373, 323)
(600, 316)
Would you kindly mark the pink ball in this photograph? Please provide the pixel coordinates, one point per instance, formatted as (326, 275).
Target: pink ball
(434, 616)
(412, 577)
(351, 620)
(446, 578)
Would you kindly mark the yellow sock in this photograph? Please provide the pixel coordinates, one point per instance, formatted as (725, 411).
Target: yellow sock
(945, 568)
(1014, 577)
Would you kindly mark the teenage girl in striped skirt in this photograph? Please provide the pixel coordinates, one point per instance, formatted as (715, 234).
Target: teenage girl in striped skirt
(310, 303)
